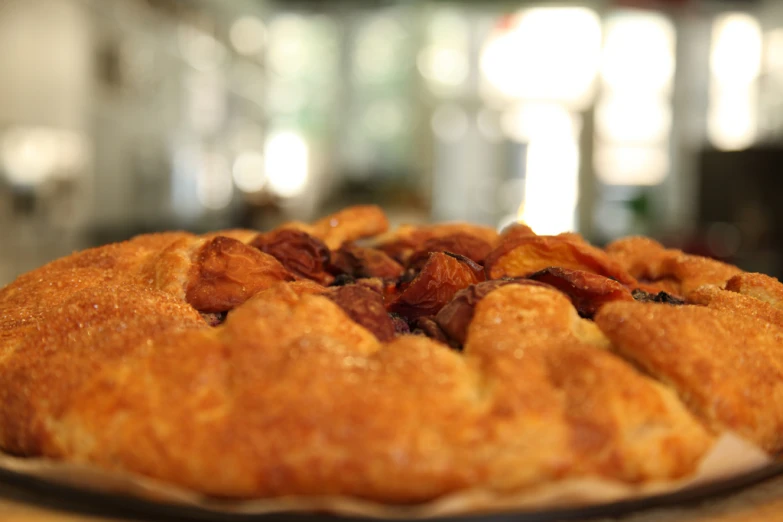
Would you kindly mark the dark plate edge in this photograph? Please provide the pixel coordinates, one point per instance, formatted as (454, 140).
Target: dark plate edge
(47, 494)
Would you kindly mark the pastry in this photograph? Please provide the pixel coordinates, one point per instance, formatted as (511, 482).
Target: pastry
(339, 358)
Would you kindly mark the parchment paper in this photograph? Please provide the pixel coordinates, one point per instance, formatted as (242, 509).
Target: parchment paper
(730, 456)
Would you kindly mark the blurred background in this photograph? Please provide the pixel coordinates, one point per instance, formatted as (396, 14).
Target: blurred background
(664, 118)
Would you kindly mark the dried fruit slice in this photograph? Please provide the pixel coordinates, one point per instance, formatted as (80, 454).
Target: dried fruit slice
(429, 327)
(302, 254)
(359, 262)
(408, 239)
(474, 267)
(441, 278)
(226, 273)
(366, 308)
(529, 254)
(588, 292)
(471, 247)
(516, 231)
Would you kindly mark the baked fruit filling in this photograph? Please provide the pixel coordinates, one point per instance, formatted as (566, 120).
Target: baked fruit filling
(341, 358)
(422, 281)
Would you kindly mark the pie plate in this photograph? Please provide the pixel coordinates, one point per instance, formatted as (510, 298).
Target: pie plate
(45, 493)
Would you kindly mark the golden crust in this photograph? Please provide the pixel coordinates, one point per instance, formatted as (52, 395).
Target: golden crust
(545, 364)
(725, 366)
(105, 360)
(88, 329)
(715, 297)
(24, 303)
(755, 295)
(670, 270)
(759, 286)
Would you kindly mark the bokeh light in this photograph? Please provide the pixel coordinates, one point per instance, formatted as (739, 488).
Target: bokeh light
(248, 171)
(735, 58)
(286, 163)
(549, 53)
(638, 52)
(735, 63)
(248, 35)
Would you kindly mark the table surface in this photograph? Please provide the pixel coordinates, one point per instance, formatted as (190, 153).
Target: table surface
(761, 502)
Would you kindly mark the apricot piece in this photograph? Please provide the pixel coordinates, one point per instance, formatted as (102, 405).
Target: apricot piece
(360, 262)
(441, 277)
(302, 254)
(471, 247)
(474, 267)
(407, 239)
(365, 307)
(226, 273)
(587, 291)
(526, 255)
(428, 327)
(516, 231)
